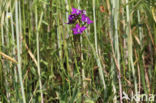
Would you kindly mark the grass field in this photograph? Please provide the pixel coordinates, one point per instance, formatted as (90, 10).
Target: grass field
(42, 61)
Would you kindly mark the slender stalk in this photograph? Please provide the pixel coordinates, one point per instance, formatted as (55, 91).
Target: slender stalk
(65, 43)
(38, 54)
(19, 52)
(59, 39)
(2, 29)
(20, 25)
(140, 37)
(115, 13)
(129, 41)
(95, 33)
(112, 62)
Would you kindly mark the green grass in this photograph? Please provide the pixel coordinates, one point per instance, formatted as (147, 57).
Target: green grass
(41, 61)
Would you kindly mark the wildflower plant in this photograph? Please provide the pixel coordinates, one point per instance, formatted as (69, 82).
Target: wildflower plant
(79, 20)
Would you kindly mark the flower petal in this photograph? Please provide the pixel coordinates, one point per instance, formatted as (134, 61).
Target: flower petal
(75, 11)
(83, 17)
(83, 28)
(89, 21)
(78, 29)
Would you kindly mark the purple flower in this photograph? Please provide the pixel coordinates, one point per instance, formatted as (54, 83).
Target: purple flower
(86, 19)
(78, 16)
(72, 19)
(78, 29)
(77, 11)
(89, 21)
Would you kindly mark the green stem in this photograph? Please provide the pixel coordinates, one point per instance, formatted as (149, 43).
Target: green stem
(19, 51)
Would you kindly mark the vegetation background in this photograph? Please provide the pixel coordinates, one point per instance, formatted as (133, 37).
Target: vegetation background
(41, 61)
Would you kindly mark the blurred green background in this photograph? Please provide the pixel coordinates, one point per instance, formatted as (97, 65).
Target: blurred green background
(41, 61)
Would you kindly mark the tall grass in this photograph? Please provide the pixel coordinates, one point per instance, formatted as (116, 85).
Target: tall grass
(41, 61)
(19, 51)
